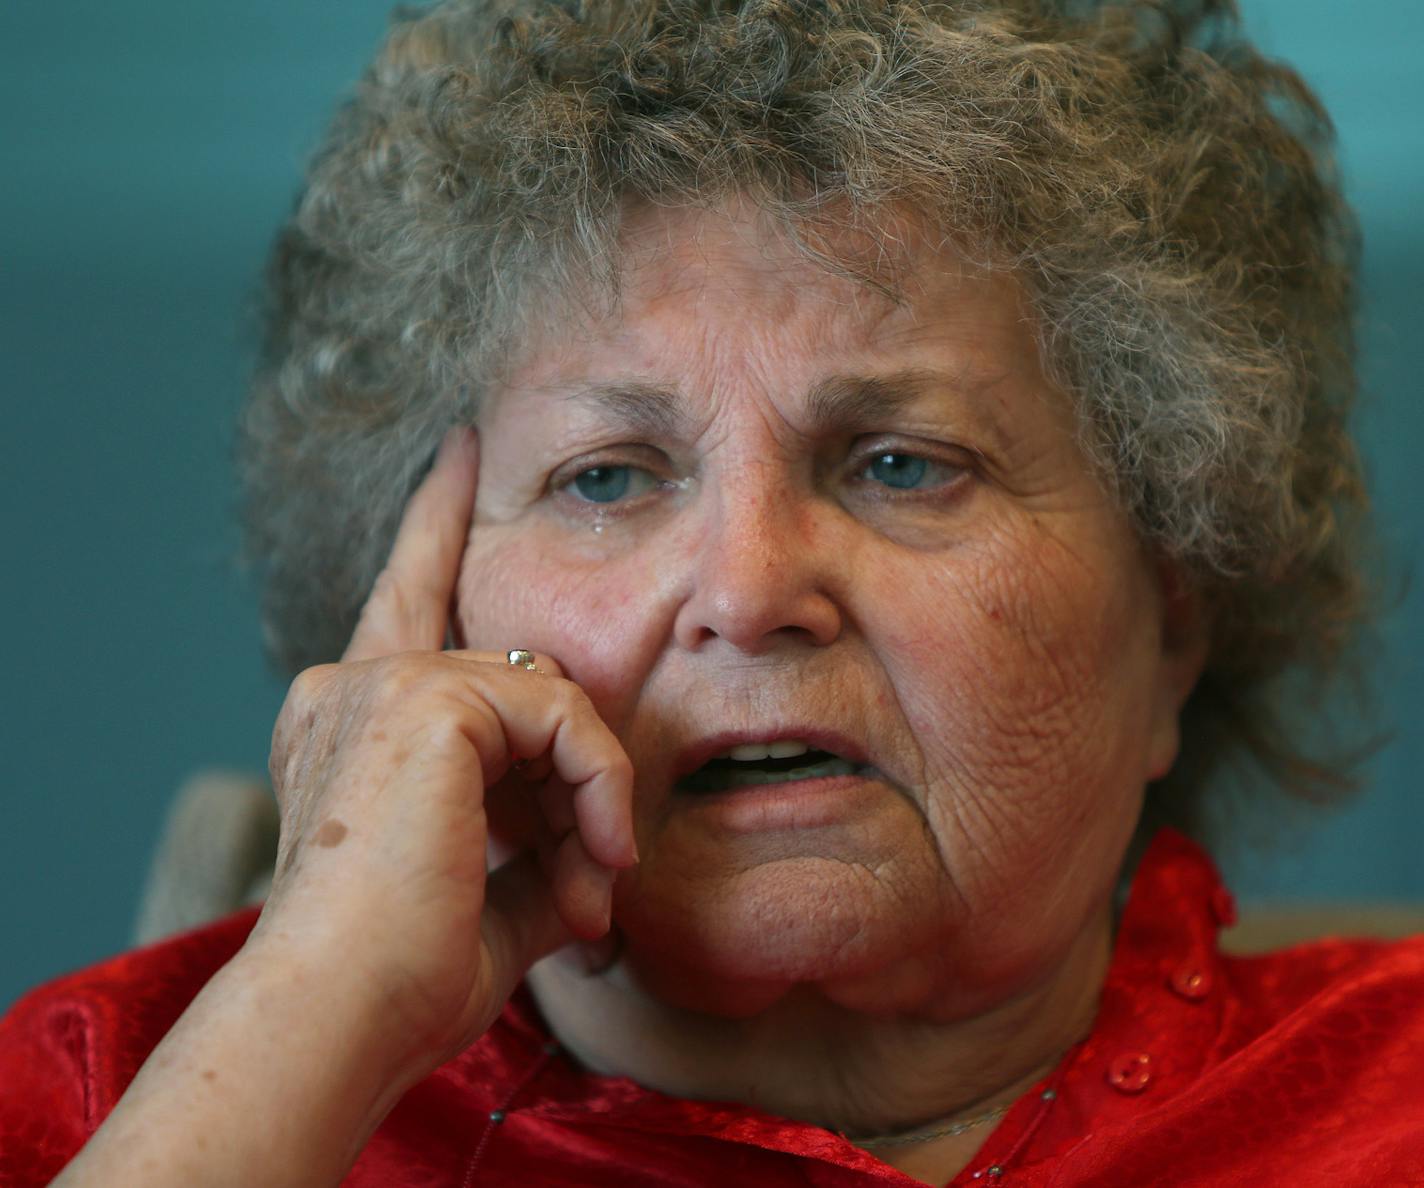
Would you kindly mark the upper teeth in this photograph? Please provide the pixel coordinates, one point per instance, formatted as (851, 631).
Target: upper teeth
(784, 749)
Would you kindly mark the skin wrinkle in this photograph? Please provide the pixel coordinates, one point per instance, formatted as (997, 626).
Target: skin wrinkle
(1028, 723)
(925, 805)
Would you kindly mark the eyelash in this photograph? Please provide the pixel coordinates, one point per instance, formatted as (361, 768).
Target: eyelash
(564, 487)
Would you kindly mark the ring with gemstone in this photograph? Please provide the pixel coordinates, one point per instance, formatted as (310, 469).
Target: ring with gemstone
(521, 658)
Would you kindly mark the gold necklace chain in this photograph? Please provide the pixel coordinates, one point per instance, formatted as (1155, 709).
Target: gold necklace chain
(921, 1136)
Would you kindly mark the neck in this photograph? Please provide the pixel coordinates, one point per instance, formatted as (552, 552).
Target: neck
(808, 1059)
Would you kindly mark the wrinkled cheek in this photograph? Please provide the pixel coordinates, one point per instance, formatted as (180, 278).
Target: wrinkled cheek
(1026, 807)
(975, 662)
(582, 614)
(591, 614)
(1020, 739)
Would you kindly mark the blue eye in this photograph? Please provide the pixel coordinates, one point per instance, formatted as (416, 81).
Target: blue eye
(603, 484)
(902, 471)
(608, 484)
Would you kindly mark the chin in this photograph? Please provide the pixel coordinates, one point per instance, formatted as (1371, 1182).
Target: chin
(735, 944)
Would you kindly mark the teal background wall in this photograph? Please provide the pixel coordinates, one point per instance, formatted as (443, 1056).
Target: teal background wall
(149, 151)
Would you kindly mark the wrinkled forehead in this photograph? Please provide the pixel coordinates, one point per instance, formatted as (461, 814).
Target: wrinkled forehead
(871, 264)
(727, 289)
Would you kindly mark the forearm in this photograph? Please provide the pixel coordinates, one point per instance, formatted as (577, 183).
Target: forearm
(273, 1076)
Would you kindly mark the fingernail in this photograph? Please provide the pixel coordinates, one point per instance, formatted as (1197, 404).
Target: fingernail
(595, 956)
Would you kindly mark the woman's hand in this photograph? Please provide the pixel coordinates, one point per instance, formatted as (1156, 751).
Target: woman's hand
(381, 765)
(384, 949)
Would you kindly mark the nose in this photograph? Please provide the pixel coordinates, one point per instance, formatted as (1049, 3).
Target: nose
(760, 571)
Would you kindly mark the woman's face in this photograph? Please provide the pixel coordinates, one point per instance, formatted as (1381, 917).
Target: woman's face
(763, 504)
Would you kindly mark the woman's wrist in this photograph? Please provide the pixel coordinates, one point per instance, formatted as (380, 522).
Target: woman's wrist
(278, 1073)
(318, 978)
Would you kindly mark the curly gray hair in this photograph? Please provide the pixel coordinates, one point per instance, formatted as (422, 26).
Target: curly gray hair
(1164, 193)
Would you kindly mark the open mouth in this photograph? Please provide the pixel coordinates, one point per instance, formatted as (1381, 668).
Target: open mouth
(723, 775)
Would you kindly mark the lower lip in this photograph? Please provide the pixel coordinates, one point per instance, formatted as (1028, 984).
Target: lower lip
(795, 804)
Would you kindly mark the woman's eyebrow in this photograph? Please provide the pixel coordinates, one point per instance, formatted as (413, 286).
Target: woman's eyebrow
(646, 409)
(850, 402)
(854, 403)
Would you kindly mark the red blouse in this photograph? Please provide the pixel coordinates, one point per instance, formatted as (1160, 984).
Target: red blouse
(1304, 1067)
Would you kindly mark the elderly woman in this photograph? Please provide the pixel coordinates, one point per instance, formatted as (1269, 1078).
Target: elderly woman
(892, 459)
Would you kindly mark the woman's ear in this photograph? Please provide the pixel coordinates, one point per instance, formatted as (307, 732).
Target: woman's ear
(1185, 642)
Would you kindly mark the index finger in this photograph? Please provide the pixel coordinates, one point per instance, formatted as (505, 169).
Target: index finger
(409, 606)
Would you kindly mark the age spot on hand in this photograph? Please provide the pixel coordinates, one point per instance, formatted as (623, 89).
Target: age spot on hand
(331, 833)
